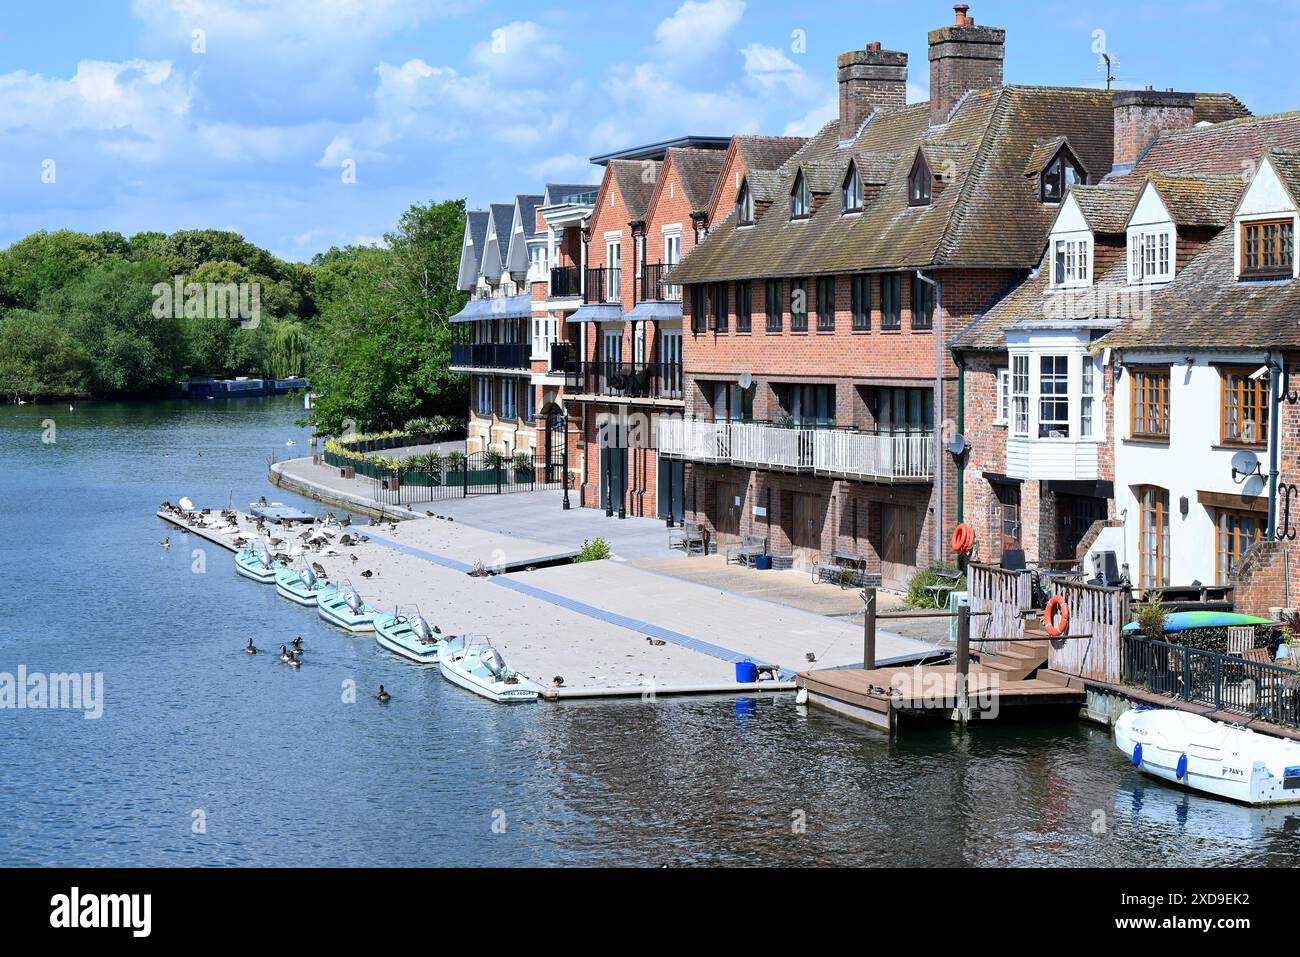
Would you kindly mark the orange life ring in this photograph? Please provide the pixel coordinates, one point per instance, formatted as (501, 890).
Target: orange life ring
(1056, 627)
(963, 539)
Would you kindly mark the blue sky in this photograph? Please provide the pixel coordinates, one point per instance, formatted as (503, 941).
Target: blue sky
(249, 124)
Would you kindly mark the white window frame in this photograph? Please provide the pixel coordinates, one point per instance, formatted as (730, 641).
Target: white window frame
(1002, 402)
(1078, 261)
(1152, 254)
(614, 261)
(1054, 397)
(1089, 374)
(1020, 390)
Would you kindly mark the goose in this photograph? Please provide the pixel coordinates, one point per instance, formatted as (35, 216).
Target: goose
(557, 681)
(284, 653)
(367, 574)
(657, 642)
(297, 644)
(166, 542)
(810, 657)
(251, 649)
(318, 568)
(383, 695)
(293, 662)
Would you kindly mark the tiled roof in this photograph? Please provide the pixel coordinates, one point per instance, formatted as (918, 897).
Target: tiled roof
(1204, 308)
(1221, 150)
(875, 168)
(636, 183)
(698, 171)
(1043, 154)
(987, 215)
(1287, 165)
(1218, 108)
(502, 215)
(1107, 208)
(767, 152)
(528, 213)
(478, 224)
(1200, 200)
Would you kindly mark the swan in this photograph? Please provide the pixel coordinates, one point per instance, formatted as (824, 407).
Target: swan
(186, 504)
(291, 442)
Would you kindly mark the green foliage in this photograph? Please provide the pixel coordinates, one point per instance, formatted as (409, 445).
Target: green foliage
(1151, 618)
(594, 551)
(918, 597)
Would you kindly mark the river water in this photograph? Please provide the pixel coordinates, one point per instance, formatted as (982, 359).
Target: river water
(207, 756)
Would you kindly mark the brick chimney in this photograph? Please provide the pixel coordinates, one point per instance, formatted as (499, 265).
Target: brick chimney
(963, 57)
(1142, 115)
(870, 79)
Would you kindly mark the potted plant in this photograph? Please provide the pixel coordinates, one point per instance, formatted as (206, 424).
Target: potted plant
(523, 467)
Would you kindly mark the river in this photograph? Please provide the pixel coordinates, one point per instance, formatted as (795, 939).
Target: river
(207, 756)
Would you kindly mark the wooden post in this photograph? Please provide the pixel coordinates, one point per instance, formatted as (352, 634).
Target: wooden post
(869, 630)
(963, 663)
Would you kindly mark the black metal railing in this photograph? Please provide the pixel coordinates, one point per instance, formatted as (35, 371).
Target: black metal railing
(566, 281)
(632, 380)
(491, 355)
(651, 286)
(604, 284)
(432, 477)
(1224, 682)
(564, 358)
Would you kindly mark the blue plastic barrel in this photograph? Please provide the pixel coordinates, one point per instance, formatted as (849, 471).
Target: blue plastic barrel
(746, 672)
(763, 563)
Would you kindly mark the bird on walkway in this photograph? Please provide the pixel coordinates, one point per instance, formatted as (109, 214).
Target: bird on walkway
(657, 642)
(383, 695)
(810, 657)
(347, 520)
(251, 648)
(367, 574)
(557, 681)
(354, 558)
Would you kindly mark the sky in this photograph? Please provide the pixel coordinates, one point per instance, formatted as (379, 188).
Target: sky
(306, 124)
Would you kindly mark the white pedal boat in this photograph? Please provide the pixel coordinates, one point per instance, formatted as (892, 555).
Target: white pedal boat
(407, 634)
(341, 606)
(1229, 762)
(299, 585)
(255, 562)
(478, 667)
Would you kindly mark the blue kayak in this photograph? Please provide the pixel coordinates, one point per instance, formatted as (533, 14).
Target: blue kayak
(1193, 620)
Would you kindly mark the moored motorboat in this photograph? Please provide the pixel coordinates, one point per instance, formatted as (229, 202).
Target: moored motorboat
(299, 585)
(407, 634)
(1220, 759)
(255, 562)
(340, 605)
(478, 667)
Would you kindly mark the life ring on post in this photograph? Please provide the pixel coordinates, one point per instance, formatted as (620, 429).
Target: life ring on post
(1056, 617)
(963, 539)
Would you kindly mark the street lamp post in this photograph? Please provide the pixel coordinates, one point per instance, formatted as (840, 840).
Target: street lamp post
(564, 468)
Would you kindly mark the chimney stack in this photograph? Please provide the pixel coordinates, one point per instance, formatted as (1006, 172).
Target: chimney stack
(963, 57)
(1142, 115)
(870, 79)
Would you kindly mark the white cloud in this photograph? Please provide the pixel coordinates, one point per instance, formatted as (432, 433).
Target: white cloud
(518, 50)
(697, 27)
(142, 96)
(563, 168)
(812, 121)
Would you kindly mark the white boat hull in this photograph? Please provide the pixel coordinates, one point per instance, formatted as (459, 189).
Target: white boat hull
(356, 624)
(427, 658)
(307, 599)
(454, 670)
(261, 576)
(1233, 763)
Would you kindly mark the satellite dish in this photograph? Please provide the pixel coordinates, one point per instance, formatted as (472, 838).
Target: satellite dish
(958, 444)
(745, 381)
(1245, 463)
(1254, 487)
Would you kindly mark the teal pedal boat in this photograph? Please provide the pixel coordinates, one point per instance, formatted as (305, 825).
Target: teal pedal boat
(478, 667)
(408, 635)
(341, 606)
(255, 562)
(299, 585)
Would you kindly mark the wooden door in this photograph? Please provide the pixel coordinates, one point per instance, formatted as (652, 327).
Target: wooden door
(806, 538)
(1075, 515)
(899, 532)
(727, 513)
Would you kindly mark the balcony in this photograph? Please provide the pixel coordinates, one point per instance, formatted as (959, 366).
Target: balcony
(564, 359)
(839, 453)
(491, 355)
(566, 282)
(604, 284)
(631, 380)
(1053, 459)
(651, 286)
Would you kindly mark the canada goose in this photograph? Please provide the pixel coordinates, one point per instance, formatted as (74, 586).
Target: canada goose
(166, 542)
(657, 642)
(367, 574)
(318, 569)
(557, 682)
(383, 695)
(347, 520)
(810, 657)
(297, 643)
(293, 662)
(251, 649)
(284, 653)
(354, 558)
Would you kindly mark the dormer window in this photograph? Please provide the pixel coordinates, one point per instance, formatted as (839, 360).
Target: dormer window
(1151, 254)
(1268, 249)
(1061, 173)
(853, 197)
(745, 206)
(1071, 265)
(800, 198)
(920, 184)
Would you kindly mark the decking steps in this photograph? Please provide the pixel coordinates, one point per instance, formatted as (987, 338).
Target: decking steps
(1017, 662)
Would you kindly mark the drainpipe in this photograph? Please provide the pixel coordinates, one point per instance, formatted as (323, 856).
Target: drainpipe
(961, 430)
(938, 411)
(1274, 437)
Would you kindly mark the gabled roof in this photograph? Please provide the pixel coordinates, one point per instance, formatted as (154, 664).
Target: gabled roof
(503, 215)
(1199, 200)
(527, 206)
(558, 193)
(1286, 163)
(636, 181)
(1107, 209)
(478, 227)
(874, 168)
(767, 152)
(698, 172)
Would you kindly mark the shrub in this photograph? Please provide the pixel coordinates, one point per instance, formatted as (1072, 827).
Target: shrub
(455, 460)
(523, 462)
(493, 459)
(594, 551)
(1151, 619)
(918, 597)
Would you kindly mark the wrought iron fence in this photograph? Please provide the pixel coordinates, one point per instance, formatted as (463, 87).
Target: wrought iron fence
(1224, 682)
(435, 478)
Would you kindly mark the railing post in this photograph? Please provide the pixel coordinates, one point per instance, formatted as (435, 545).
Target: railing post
(963, 663)
(464, 476)
(869, 630)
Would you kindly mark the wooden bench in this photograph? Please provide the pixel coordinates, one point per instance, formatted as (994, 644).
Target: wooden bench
(846, 569)
(690, 538)
(748, 549)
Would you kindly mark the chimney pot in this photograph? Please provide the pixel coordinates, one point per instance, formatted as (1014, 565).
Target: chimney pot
(960, 9)
(963, 57)
(873, 45)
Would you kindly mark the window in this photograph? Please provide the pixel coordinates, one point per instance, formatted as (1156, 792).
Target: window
(745, 206)
(613, 270)
(1154, 538)
(1060, 175)
(905, 410)
(509, 399)
(891, 301)
(919, 183)
(672, 256)
(810, 406)
(484, 396)
(699, 309)
(826, 304)
(861, 303)
(775, 320)
(721, 308)
(731, 403)
(744, 307)
(1087, 398)
(852, 196)
(1150, 255)
(1003, 392)
(922, 305)
(800, 198)
(1149, 405)
(799, 305)
(544, 335)
(1268, 249)
(1020, 395)
(1053, 397)
(1245, 408)
(1235, 532)
(1070, 262)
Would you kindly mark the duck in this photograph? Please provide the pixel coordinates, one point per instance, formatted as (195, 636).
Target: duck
(250, 648)
(284, 653)
(383, 695)
(291, 442)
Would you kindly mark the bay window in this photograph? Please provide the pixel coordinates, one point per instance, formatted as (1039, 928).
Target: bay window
(1020, 395)
(1003, 390)
(1053, 397)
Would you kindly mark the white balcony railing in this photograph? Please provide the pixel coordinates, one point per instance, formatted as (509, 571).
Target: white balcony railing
(865, 455)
